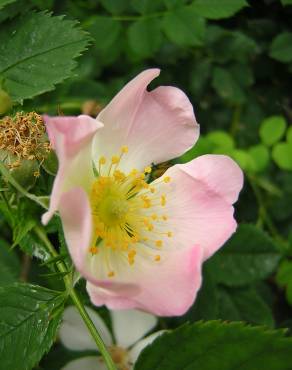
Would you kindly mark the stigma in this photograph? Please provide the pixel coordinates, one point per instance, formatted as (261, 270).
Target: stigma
(128, 212)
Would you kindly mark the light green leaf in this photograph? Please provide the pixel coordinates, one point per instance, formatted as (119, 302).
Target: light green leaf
(144, 37)
(244, 304)
(281, 47)
(249, 256)
(37, 51)
(213, 345)
(282, 155)
(289, 135)
(221, 139)
(9, 264)
(214, 9)
(243, 158)
(184, 26)
(5, 2)
(30, 317)
(272, 129)
(260, 158)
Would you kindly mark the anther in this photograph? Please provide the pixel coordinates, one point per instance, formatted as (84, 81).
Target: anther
(111, 274)
(166, 179)
(102, 160)
(157, 258)
(115, 159)
(124, 149)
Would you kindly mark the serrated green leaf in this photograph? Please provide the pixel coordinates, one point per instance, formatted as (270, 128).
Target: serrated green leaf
(272, 129)
(28, 325)
(31, 245)
(144, 37)
(184, 26)
(244, 304)
(9, 264)
(214, 9)
(282, 155)
(249, 256)
(37, 51)
(213, 345)
(281, 47)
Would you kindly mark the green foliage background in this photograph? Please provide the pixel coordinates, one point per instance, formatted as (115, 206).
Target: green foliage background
(233, 58)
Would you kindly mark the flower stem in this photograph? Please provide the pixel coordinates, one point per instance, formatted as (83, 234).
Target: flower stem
(40, 232)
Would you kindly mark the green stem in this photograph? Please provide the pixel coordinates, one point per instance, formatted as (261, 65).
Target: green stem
(76, 300)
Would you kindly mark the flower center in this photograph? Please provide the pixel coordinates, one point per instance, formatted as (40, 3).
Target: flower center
(127, 210)
(120, 357)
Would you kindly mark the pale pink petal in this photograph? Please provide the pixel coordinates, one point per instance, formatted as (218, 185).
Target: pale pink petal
(166, 288)
(76, 218)
(71, 138)
(138, 347)
(200, 203)
(75, 335)
(86, 363)
(156, 125)
(131, 325)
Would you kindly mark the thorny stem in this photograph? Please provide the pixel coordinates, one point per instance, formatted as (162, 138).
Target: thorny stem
(76, 300)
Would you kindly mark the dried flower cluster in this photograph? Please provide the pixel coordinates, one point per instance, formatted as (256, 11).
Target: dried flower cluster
(23, 137)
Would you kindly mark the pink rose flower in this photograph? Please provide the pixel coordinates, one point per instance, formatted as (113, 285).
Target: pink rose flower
(141, 245)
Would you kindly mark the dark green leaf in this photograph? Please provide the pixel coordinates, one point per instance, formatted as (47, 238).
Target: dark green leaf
(250, 255)
(226, 86)
(216, 345)
(105, 31)
(9, 264)
(5, 2)
(244, 304)
(37, 51)
(30, 317)
(145, 37)
(286, 2)
(281, 47)
(184, 26)
(214, 9)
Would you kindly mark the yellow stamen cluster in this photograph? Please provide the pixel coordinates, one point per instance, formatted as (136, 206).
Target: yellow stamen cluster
(23, 137)
(122, 208)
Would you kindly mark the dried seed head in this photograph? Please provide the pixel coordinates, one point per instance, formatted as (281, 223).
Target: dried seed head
(23, 137)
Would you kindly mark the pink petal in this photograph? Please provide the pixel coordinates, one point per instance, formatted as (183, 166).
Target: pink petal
(71, 138)
(200, 201)
(156, 126)
(76, 218)
(167, 288)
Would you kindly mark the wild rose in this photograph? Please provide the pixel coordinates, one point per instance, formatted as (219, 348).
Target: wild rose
(140, 244)
(129, 329)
